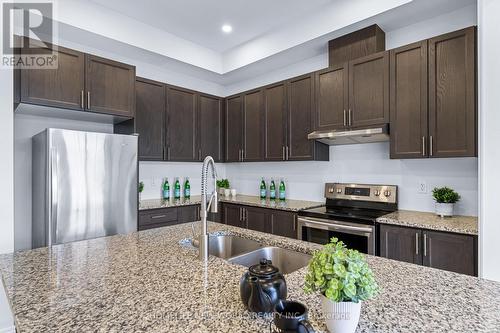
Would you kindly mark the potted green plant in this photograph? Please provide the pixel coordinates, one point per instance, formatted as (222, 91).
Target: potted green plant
(222, 185)
(445, 198)
(140, 188)
(344, 280)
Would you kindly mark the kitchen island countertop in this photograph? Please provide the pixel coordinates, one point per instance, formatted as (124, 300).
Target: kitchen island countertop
(149, 281)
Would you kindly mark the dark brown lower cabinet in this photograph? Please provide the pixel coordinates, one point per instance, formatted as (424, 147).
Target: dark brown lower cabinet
(163, 217)
(436, 249)
(284, 224)
(272, 221)
(401, 244)
(451, 252)
(233, 215)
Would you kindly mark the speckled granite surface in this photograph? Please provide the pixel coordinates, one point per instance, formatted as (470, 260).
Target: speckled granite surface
(249, 200)
(148, 282)
(457, 224)
(159, 203)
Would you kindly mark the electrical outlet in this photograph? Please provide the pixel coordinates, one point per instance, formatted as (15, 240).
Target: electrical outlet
(422, 187)
(153, 182)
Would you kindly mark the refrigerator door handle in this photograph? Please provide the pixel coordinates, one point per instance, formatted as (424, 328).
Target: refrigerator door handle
(53, 198)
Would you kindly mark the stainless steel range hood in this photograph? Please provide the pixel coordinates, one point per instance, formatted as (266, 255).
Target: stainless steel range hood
(349, 137)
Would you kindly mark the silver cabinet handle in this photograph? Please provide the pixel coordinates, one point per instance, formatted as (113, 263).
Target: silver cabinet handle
(283, 153)
(287, 153)
(168, 153)
(88, 100)
(350, 117)
(158, 217)
(431, 144)
(416, 243)
(245, 212)
(423, 146)
(345, 119)
(82, 102)
(199, 154)
(241, 214)
(425, 245)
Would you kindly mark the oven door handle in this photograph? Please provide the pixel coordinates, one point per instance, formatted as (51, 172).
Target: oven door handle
(332, 226)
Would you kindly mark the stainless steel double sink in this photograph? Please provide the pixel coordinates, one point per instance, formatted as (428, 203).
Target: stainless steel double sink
(247, 252)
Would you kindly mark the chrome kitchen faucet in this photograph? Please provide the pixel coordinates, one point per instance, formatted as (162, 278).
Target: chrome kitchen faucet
(211, 205)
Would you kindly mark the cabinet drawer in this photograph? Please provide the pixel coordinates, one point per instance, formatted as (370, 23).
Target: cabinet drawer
(157, 216)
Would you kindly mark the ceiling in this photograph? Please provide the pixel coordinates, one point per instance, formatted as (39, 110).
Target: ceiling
(200, 21)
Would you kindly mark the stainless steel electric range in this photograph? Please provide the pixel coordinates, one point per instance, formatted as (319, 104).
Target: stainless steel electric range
(350, 215)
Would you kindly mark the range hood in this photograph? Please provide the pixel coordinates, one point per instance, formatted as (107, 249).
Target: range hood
(349, 137)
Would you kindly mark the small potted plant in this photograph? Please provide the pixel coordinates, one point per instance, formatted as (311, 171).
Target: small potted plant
(445, 199)
(222, 185)
(344, 280)
(140, 188)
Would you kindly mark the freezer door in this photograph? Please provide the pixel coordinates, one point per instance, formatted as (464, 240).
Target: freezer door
(93, 179)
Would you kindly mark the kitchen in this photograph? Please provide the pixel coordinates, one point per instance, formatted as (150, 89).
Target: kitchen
(276, 113)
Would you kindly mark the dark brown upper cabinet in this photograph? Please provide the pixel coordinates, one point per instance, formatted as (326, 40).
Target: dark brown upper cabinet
(62, 87)
(300, 122)
(253, 124)
(332, 97)
(181, 144)
(408, 106)
(452, 94)
(150, 119)
(110, 86)
(210, 120)
(275, 121)
(234, 129)
(369, 90)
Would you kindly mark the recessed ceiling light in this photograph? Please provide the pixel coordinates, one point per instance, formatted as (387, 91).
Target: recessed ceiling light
(227, 28)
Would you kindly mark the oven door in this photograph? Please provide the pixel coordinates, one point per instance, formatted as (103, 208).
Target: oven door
(355, 236)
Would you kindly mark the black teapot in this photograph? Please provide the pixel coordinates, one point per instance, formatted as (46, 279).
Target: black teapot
(262, 287)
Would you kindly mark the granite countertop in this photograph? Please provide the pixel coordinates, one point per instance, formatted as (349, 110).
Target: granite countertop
(249, 200)
(149, 282)
(457, 224)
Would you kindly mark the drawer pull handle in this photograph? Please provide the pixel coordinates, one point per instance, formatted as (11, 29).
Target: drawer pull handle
(158, 216)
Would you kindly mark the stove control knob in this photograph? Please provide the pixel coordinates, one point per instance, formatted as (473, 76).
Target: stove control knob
(330, 190)
(387, 193)
(339, 191)
(377, 193)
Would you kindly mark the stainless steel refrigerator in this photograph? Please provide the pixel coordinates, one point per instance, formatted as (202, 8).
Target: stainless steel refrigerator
(84, 186)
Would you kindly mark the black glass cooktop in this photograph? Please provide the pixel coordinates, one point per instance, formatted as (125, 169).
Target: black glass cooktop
(345, 213)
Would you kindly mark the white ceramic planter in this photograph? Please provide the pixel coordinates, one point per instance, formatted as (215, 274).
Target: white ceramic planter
(340, 317)
(444, 209)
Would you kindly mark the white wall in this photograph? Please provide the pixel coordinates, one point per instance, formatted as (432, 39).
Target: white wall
(25, 126)
(489, 120)
(367, 163)
(153, 173)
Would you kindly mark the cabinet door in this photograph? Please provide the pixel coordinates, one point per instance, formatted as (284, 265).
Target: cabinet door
(234, 128)
(275, 122)
(253, 125)
(451, 252)
(233, 215)
(210, 127)
(61, 87)
(150, 118)
(284, 224)
(408, 106)
(452, 94)
(181, 125)
(332, 98)
(257, 219)
(110, 86)
(300, 120)
(369, 90)
(401, 243)
(188, 214)
(155, 218)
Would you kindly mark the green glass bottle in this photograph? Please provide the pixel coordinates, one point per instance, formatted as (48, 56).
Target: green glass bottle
(166, 190)
(187, 189)
(282, 190)
(177, 189)
(263, 189)
(272, 190)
